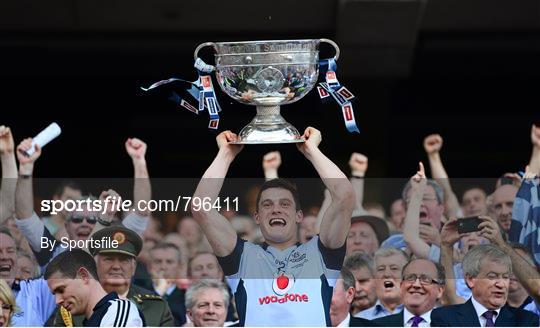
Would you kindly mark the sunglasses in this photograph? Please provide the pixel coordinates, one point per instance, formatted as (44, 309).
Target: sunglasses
(79, 219)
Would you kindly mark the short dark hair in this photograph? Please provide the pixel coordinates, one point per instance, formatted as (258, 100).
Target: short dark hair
(441, 274)
(59, 190)
(69, 262)
(283, 184)
(167, 246)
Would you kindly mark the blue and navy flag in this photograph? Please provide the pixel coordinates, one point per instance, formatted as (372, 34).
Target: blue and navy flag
(526, 217)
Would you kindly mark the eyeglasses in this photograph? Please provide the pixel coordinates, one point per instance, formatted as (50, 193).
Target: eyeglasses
(6, 307)
(79, 219)
(424, 279)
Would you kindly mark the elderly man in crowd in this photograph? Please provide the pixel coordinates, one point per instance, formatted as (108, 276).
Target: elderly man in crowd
(207, 302)
(361, 266)
(389, 263)
(421, 287)
(342, 299)
(487, 273)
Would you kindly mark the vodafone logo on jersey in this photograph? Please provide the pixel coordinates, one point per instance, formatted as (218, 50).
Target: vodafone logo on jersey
(282, 283)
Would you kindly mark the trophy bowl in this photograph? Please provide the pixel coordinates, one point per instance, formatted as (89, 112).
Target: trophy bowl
(267, 74)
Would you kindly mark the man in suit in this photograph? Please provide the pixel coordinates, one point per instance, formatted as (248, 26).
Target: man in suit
(421, 286)
(487, 272)
(342, 298)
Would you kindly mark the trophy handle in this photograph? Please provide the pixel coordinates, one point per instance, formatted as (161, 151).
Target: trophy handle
(333, 44)
(200, 46)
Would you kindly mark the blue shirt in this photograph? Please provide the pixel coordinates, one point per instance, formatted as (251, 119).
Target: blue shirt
(35, 303)
(377, 311)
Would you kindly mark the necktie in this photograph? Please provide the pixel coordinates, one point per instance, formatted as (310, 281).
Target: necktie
(489, 318)
(416, 320)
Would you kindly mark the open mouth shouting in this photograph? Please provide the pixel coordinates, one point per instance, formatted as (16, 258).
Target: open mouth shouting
(5, 270)
(277, 222)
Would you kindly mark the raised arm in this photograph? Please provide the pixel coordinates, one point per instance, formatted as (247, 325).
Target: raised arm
(523, 270)
(24, 194)
(336, 219)
(358, 164)
(9, 174)
(216, 227)
(432, 145)
(142, 189)
(534, 164)
(449, 236)
(411, 224)
(271, 163)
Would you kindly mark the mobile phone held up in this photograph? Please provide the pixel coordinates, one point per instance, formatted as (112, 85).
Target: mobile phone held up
(470, 224)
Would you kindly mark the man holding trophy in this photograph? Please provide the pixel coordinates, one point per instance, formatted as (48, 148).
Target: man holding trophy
(282, 282)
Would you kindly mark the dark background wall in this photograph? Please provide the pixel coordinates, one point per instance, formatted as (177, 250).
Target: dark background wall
(469, 70)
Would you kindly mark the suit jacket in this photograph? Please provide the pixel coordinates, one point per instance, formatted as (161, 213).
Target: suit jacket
(393, 320)
(360, 322)
(464, 315)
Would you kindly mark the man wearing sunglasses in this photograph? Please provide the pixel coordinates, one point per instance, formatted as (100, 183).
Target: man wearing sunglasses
(80, 224)
(422, 285)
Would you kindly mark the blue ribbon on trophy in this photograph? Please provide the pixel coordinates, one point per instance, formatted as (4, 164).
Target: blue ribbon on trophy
(339, 93)
(201, 90)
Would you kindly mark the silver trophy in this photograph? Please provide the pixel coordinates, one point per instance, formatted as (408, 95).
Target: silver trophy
(267, 74)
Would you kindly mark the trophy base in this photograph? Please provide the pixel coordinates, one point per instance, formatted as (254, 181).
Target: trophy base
(268, 127)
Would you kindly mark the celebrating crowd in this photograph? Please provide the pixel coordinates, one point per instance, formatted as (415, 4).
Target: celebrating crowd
(437, 259)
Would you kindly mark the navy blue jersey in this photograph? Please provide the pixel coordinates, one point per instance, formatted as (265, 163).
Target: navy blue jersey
(111, 311)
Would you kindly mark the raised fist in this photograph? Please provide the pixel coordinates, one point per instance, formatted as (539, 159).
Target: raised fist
(7, 144)
(136, 148)
(433, 143)
(358, 164)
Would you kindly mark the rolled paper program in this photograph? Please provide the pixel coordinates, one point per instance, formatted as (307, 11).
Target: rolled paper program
(44, 137)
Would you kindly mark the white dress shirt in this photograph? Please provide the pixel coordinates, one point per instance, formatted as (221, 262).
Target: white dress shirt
(345, 322)
(408, 318)
(480, 310)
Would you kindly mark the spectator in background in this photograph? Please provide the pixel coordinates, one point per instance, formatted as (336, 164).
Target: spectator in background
(205, 266)
(207, 302)
(67, 190)
(166, 269)
(365, 296)
(270, 164)
(397, 215)
(422, 286)
(33, 297)
(308, 228)
(190, 231)
(366, 234)
(245, 227)
(487, 271)
(526, 217)
(474, 202)
(9, 174)
(7, 304)
(502, 203)
(80, 225)
(526, 273)
(517, 295)
(389, 263)
(342, 298)
(423, 219)
(432, 145)
(27, 267)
